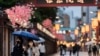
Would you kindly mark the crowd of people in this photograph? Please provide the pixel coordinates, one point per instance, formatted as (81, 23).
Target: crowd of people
(72, 50)
(93, 50)
(31, 49)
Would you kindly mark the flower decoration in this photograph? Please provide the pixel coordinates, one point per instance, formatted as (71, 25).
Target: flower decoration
(19, 15)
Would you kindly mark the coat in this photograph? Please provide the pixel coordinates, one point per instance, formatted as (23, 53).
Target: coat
(17, 51)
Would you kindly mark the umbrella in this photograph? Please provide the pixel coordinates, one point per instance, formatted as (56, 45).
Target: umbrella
(40, 40)
(90, 42)
(26, 35)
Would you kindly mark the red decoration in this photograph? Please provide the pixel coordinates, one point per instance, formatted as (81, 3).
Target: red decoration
(47, 23)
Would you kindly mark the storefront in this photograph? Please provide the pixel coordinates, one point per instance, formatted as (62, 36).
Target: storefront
(5, 36)
(51, 42)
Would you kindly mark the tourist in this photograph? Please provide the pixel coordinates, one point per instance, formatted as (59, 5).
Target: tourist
(42, 49)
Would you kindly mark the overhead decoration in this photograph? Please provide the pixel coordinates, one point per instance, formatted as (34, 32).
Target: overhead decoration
(94, 23)
(20, 15)
(47, 23)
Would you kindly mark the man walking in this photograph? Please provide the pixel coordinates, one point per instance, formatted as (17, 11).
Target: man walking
(42, 49)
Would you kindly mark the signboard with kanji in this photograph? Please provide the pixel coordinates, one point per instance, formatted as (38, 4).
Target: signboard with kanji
(65, 3)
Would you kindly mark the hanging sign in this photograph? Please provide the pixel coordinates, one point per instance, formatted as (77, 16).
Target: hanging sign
(41, 28)
(54, 3)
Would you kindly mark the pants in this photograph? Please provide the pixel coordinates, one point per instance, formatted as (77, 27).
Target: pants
(42, 54)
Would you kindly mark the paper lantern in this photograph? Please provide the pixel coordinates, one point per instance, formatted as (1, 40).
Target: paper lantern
(87, 28)
(98, 15)
(57, 27)
(83, 29)
(94, 23)
(76, 32)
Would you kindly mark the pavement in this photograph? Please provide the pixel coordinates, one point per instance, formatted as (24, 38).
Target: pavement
(67, 54)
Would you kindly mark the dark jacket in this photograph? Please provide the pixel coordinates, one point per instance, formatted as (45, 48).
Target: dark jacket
(17, 51)
(76, 48)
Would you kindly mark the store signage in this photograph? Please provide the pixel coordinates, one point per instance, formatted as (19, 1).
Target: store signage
(63, 2)
(41, 28)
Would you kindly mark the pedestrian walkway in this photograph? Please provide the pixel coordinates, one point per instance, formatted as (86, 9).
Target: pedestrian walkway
(67, 54)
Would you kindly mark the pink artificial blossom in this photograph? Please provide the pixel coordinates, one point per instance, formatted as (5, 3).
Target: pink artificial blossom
(19, 14)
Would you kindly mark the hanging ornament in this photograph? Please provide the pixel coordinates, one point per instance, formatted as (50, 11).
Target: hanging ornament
(19, 15)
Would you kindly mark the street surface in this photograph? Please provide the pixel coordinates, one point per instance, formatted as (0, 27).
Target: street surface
(67, 54)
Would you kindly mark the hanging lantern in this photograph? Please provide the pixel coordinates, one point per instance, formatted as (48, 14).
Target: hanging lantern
(58, 42)
(94, 23)
(83, 29)
(87, 28)
(57, 27)
(76, 32)
(98, 15)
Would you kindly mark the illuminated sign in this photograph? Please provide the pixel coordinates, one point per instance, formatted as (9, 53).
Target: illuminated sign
(63, 2)
(41, 28)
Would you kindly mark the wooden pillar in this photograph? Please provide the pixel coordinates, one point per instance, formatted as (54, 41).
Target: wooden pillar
(1, 37)
(1, 41)
(4, 38)
(5, 42)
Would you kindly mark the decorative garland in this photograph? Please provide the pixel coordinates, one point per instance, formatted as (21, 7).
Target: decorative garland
(7, 3)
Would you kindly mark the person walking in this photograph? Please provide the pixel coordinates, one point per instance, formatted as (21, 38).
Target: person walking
(76, 49)
(42, 49)
(65, 48)
(25, 50)
(36, 49)
(70, 50)
(90, 50)
(31, 48)
(61, 50)
(17, 50)
(94, 49)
